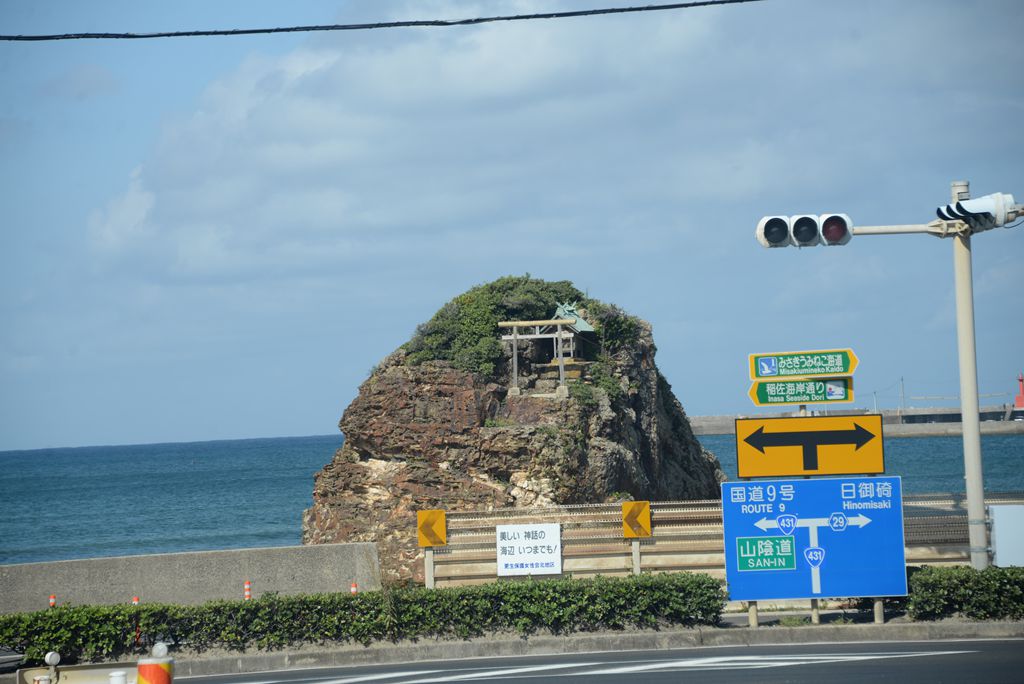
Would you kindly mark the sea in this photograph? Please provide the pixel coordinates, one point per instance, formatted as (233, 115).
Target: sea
(88, 502)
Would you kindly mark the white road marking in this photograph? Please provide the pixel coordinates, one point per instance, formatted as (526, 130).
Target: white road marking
(343, 680)
(489, 674)
(224, 676)
(591, 669)
(266, 681)
(755, 662)
(374, 677)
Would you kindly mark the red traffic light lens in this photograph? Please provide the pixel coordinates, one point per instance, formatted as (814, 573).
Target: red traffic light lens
(834, 229)
(776, 231)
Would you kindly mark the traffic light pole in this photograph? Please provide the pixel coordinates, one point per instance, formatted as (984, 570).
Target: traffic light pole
(977, 529)
(958, 220)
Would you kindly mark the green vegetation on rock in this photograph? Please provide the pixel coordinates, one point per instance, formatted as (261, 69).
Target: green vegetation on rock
(465, 330)
(615, 328)
(601, 374)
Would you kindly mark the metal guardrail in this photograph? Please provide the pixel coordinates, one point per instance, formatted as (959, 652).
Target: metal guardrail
(685, 536)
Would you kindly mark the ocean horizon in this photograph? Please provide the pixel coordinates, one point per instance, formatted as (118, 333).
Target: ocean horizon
(85, 502)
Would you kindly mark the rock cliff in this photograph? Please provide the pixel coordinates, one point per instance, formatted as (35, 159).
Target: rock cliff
(427, 434)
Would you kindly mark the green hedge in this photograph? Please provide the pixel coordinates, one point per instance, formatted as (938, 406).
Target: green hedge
(990, 594)
(94, 633)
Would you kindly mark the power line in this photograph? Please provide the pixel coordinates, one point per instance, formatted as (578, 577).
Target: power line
(379, 25)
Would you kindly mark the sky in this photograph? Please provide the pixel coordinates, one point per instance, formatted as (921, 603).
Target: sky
(216, 238)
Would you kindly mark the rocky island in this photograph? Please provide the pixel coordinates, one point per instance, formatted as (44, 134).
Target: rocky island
(442, 422)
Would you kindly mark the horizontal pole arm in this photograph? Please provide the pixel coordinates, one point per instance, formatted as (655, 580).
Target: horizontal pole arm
(939, 228)
(890, 230)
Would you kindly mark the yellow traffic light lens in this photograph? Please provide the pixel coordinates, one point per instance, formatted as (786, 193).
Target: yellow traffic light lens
(805, 230)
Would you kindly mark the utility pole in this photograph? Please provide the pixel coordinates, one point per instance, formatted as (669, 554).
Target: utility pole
(977, 530)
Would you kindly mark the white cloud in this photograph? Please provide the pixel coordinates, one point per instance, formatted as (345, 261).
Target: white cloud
(390, 170)
(518, 146)
(124, 223)
(336, 152)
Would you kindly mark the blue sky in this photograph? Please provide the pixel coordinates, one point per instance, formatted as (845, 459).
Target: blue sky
(210, 238)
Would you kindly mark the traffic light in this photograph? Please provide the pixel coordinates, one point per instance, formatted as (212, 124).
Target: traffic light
(983, 213)
(804, 230)
(836, 229)
(773, 231)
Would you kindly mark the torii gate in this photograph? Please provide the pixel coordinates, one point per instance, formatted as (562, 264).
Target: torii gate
(541, 330)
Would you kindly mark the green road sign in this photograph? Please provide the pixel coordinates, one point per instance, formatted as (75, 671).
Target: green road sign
(804, 364)
(765, 553)
(801, 391)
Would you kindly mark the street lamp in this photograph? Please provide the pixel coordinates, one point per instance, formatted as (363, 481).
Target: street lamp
(959, 220)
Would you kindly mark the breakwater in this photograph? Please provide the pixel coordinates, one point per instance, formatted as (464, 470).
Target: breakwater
(907, 423)
(927, 464)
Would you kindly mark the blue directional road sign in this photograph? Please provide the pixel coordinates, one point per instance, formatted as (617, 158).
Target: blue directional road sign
(826, 537)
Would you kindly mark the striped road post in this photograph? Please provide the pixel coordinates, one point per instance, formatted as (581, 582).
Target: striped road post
(156, 670)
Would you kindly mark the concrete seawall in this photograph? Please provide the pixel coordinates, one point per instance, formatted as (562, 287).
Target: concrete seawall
(189, 578)
(725, 425)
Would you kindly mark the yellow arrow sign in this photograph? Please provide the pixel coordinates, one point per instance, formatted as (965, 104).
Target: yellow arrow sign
(813, 445)
(431, 528)
(636, 519)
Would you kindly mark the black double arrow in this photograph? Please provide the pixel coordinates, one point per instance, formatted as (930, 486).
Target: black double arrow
(809, 441)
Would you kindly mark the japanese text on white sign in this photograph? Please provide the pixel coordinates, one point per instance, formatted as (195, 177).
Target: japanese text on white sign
(529, 549)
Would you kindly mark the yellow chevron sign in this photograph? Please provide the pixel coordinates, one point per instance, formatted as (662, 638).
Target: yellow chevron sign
(431, 528)
(636, 519)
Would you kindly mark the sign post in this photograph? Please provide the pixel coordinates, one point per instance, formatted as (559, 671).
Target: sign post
(636, 523)
(431, 531)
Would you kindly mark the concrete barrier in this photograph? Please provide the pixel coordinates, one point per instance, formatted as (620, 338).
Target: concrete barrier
(726, 425)
(189, 578)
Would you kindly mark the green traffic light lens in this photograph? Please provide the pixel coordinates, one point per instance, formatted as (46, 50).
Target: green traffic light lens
(776, 231)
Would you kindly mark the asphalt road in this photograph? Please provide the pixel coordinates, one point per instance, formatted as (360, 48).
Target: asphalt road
(835, 663)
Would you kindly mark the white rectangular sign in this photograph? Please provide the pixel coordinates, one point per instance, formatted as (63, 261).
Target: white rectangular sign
(1007, 535)
(529, 549)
